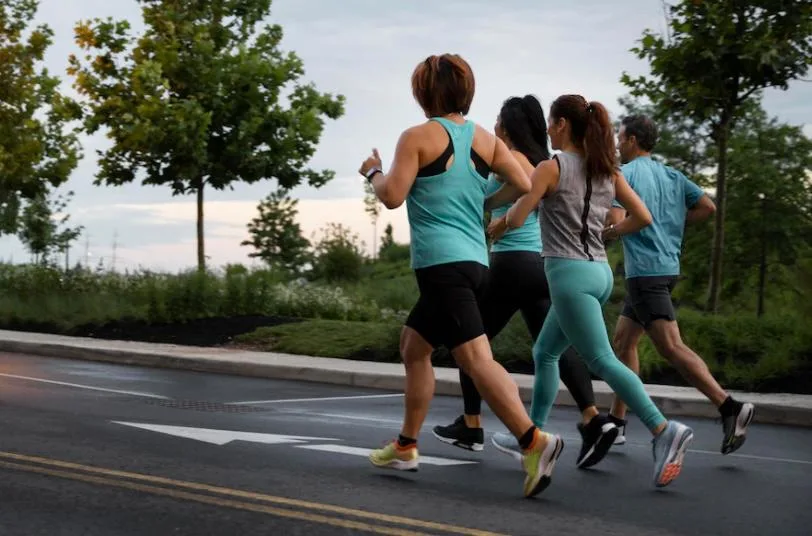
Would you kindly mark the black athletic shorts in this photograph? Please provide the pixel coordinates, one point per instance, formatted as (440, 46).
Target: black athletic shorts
(517, 282)
(447, 311)
(649, 299)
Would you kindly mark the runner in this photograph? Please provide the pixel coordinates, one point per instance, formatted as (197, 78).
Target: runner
(576, 190)
(440, 170)
(652, 266)
(517, 283)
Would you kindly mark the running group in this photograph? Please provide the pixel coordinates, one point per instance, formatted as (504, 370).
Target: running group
(551, 217)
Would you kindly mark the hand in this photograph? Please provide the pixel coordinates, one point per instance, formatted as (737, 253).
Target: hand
(609, 234)
(497, 228)
(371, 162)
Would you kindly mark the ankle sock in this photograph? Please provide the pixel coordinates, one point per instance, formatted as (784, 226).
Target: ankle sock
(729, 407)
(527, 439)
(404, 441)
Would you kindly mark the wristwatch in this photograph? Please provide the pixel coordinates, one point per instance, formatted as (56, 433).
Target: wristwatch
(371, 173)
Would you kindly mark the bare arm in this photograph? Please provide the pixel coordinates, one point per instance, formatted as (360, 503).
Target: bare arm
(615, 216)
(510, 171)
(508, 193)
(637, 217)
(701, 211)
(392, 188)
(543, 179)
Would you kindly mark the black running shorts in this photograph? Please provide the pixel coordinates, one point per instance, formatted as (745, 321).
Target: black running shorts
(649, 299)
(447, 311)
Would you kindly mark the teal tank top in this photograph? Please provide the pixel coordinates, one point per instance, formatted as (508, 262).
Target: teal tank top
(447, 211)
(524, 238)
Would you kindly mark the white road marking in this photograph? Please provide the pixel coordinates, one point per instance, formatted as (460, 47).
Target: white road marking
(358, 451)
(326, 398)
(80, 386)
(222, 437)
(619, 448)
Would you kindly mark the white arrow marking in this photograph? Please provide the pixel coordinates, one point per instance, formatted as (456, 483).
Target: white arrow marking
(222, 437)
(357, 451)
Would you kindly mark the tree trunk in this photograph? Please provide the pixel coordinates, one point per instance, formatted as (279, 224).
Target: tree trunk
(201, 252)
(375, 239)
(762, 268)
(719, 224)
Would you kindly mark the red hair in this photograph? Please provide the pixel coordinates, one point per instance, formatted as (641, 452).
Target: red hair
(443, 85)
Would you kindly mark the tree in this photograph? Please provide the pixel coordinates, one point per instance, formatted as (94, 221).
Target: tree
(770, 197)
(372, 206)
(197, 102)
(43, 227)
(388, 238)
(338, 255)
(36, 152)
(716, 56)
(275, 236)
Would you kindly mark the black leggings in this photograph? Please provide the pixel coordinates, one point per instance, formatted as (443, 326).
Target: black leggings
(518, 283)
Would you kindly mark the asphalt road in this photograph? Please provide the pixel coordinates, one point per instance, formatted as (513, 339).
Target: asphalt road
(97, 449)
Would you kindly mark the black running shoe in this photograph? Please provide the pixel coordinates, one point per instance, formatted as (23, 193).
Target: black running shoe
(735, 427)
(459, 435)
(597, 437)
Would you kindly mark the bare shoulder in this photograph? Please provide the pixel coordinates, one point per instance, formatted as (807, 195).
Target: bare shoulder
(484, 143)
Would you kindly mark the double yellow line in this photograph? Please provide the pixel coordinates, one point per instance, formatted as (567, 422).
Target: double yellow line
(233, 498)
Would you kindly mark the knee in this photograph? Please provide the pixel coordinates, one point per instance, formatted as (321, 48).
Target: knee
(470, 355)
(414, 348)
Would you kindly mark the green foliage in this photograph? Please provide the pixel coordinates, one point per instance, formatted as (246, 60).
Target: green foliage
(716, 56)
(275, 236)
(36, 154)
(338, 254)
(43, 227)
(45, 295)
(391, 251)
(196, 101)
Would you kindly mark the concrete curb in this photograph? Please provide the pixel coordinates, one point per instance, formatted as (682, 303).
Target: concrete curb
(787, 409)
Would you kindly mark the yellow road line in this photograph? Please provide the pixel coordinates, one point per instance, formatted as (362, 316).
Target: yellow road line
(216, 501)
(406, 521)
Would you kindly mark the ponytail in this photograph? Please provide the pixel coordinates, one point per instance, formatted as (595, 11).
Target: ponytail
(591, 130)
(599, 142)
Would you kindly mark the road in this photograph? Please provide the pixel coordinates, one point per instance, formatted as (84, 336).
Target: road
(99, 449)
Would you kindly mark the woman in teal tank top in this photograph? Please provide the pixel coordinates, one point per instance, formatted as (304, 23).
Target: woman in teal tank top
(518, 284)
(440, 170)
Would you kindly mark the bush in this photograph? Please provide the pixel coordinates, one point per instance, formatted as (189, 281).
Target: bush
(36, 295)
(338, 255)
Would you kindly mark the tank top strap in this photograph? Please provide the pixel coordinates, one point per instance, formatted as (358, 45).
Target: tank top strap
(462, 137)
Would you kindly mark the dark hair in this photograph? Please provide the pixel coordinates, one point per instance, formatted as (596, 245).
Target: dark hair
(644, 130)
(443, 85)
(523, 120)
(591, 130)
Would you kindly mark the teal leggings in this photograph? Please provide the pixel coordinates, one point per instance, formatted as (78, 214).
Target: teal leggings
(578, 290)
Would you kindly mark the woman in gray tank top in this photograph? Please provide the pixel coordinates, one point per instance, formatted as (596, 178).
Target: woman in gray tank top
(576, 190)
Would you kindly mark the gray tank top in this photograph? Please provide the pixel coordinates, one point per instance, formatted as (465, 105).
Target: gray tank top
(573, 216)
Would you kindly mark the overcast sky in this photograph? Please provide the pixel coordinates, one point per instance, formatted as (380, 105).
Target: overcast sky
(365, 50)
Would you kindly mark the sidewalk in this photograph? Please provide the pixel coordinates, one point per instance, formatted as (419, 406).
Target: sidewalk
(770, 408)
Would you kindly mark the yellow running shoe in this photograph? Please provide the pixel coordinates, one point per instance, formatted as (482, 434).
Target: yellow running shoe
(393, 456)
(539, 461)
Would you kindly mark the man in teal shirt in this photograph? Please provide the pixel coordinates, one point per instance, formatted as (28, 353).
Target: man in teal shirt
(651, 259)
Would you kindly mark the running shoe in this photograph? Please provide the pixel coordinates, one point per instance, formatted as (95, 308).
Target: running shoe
(539, 461)
(597, 437)
(460, 435)
(508, 444)
(735, 427)
(669, 448)
(621, 430)
(393, 456)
